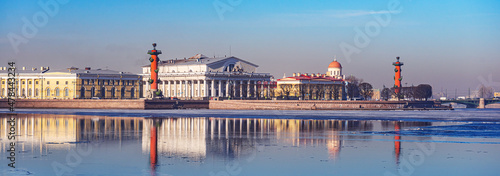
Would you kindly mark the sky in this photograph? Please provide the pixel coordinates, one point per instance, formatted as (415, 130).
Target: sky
(449, 44)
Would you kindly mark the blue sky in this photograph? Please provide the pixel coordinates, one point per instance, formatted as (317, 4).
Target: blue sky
(449, 44)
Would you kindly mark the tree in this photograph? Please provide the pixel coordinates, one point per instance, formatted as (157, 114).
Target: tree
(386, 93)
(423, 91)
(485, 92)
(285, 89)
(353, 86)
(366, 90)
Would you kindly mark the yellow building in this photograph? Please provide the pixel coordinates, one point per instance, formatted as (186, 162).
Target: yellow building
(71, 83)
(329, 86)
(497, 94)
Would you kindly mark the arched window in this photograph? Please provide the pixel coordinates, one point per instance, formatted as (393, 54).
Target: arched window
(36, 92)
(113, 90)
(92, 92)
(82, 92)
(23, 93)
(122, 92)
(47, 91)
(1, 93)
(66, 92)
(132, 93)
(103, 92)
(57, 91)
(29, 92)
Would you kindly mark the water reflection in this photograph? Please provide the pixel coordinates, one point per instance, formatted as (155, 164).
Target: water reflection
(193, 139)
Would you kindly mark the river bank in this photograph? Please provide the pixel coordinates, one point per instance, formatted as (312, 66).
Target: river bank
(224, 104)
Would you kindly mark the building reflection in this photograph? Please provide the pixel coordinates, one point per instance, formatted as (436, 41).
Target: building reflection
(229, 138)
(397, 126)
(39, 133)
(194, 139)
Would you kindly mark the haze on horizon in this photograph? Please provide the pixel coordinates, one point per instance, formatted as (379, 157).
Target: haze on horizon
(447, 44)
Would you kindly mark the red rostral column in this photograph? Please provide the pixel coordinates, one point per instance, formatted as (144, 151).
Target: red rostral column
(397, 77)
(154, 67)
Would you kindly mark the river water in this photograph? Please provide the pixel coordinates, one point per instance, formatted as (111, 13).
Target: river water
(227, 143)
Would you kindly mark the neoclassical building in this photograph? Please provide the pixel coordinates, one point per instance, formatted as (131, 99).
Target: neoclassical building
(329, 86)
(72, 83)
(202, 77)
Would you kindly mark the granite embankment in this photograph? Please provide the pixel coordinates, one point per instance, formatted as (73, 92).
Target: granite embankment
(225, 104)
(106, 104)
(324, 105)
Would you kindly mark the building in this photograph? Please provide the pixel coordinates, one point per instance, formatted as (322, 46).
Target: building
(72, 83)
(497, 94)
(329, 86)
(201, 77)
(376, 94)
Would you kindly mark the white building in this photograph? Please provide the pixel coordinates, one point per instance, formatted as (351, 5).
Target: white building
(201, 77)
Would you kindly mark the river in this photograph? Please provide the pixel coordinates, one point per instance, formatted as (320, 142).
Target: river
(221, 143)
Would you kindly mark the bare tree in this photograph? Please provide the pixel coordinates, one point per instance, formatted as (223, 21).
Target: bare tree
(366, 90)
(422, 91)
(386, 93)
(285, 89)
(485, 92)
(353, 86)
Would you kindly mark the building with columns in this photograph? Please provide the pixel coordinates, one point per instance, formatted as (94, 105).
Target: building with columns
(329, 86)
(202, 77)
(72, 83)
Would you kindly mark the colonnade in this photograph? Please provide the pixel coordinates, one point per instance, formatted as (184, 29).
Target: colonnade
(195, 88)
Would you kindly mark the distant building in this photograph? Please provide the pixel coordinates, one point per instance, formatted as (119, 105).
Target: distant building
(72, 83)
(497, 94)
(329, 86)
(376, 94)
(201, 77)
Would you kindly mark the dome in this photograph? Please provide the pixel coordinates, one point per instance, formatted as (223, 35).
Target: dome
(335, 64)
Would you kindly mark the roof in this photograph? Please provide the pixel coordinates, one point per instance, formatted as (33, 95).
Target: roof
(335, 64)
(73, 70)
(310, 78)
(198, 59)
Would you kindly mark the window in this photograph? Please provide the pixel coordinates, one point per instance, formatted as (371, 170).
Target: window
(57, 91)
(109, 81)
(57, 82)
(66, 82)
(47, 92)
(23, 82)
(66, 92)
(29, 82)
(48, 82)
(92, 92)
(36, 92)
(113, 91)
(132, 93)
(29, 92)
(36, 82)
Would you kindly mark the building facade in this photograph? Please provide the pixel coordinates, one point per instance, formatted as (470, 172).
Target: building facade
(201, 77)
(329, 86)
(72, 83)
